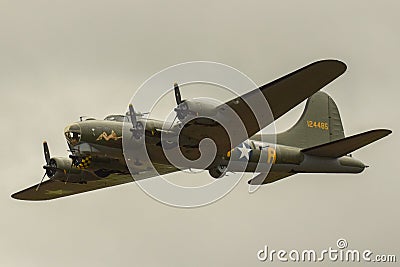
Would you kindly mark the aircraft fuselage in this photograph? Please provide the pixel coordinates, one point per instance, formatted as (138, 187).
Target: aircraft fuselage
(101, 140)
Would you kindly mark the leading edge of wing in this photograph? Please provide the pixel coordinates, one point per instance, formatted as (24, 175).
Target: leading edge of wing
(288, 91)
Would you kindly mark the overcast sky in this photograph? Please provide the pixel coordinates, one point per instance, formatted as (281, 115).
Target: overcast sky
(63, 59)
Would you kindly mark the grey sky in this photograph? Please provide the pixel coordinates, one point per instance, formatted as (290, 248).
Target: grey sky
(63, 59)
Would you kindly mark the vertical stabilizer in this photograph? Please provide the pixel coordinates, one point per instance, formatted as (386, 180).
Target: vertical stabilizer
(320, 123)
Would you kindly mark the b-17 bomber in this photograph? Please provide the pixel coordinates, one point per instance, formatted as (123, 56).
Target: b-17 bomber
(316, 143)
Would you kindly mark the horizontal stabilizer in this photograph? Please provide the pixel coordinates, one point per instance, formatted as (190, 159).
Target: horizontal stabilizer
(346, 145)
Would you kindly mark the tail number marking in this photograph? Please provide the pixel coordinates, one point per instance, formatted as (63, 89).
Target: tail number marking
(319, 124)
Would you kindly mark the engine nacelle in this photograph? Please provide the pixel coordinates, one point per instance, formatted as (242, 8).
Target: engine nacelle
(217, 171)
(60, 168)
(202, 108)
(195, 108)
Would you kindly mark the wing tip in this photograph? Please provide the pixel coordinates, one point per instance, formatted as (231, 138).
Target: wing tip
(18, 197)
(382, 132)
(336, 64)
(25, 196)
(387, 131)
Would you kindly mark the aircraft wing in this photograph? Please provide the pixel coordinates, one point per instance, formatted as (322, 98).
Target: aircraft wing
(52, 189)
(282, 95)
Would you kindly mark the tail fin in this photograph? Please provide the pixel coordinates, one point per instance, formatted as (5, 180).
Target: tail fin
(320, 123)
(347, 145)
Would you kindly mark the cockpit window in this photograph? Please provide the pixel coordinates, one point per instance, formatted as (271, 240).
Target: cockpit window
(120, 118)
(73, 137)
(73, 134)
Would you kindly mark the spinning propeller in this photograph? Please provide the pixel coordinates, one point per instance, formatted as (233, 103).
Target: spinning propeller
(182, 109)
(50, 166)
(137, 129)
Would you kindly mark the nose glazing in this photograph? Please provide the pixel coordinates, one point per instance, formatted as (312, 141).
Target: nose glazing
(73, 134)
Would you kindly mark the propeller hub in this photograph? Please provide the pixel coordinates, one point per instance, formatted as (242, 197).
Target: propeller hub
(51, 168)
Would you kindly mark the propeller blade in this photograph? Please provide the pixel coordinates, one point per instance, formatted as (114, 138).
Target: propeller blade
(172, 124)
(52, 168)
(37, 188)
(132, 114)
(66, 173)
(46, 152)
(178, 97)
(137, 127)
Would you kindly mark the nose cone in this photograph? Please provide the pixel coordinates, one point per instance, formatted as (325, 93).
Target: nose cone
(73, 134)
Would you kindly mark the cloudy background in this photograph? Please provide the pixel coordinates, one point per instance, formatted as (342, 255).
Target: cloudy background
(63, 59)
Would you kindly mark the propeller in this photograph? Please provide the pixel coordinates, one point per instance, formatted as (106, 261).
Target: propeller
(177, 94)
(137, 129)
(182, 109)
(50, 166)
(46, 152)
(132, 114)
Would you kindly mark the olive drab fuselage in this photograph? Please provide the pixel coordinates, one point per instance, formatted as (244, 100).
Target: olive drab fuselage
(97, 147)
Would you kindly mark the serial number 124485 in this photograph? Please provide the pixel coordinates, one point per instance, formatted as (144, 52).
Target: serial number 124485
(319, 124)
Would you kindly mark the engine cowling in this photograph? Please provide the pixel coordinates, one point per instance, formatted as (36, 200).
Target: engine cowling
(60, 167)
(189, 109)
